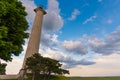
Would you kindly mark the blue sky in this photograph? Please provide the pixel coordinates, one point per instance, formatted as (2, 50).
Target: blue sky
(106, 17)
(81, 34)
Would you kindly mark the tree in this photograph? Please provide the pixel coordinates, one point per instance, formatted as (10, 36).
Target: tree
(53, 66)
(44, 67)
(34, 65)
(13, 25)
(2, 68)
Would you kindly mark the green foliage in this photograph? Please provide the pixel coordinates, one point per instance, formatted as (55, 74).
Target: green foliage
(43, 67)
(2, 68)
(53, 78)
(13, 25)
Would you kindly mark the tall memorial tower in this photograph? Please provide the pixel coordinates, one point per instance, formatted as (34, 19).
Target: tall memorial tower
(34, 40)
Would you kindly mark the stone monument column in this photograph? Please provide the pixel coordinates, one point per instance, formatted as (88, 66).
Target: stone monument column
(34, 40)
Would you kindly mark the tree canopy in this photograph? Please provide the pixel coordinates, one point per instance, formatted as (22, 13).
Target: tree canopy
(2, 68)
(44, 66)
(13, 25)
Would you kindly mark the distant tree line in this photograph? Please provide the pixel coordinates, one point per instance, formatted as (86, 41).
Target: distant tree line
(43, 67)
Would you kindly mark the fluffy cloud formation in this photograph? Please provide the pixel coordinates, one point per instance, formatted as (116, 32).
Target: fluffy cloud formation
(75, 47)
(75, 13)
(105, 66)
(110, 45)
(90, 19)
(52, 20)
(49, 40)
(30, 6)
(67, 61)
(107, 46)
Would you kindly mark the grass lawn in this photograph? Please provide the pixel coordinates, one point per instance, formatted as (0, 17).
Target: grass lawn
(95, 79)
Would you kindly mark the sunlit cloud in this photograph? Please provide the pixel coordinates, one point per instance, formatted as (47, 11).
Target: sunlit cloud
(74, 15)
(90, 19)
(52, 20)
(110, 45)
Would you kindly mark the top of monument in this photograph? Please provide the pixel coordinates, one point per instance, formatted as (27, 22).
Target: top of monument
(41, 9)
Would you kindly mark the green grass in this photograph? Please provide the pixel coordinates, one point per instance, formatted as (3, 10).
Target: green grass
(60, 78)
(95, 78)
(53, 78)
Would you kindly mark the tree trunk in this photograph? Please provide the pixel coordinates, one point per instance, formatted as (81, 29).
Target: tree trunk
(49, 73)
(33, 77)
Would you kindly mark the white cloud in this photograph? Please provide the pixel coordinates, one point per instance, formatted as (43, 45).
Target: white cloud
(55, 54)
(30, 6)
(90, 19)
(96, 42)
(105, 66)
(110, 45)
(52, 20)
(68, 61)
(54, 38)
(75, 47)
(53, 5)
(49, 40)
(109, 21)
(45, 39)
(75, 13)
